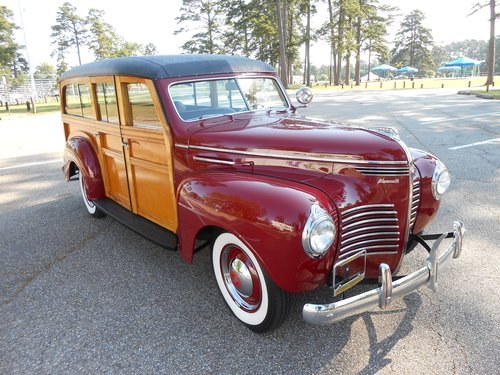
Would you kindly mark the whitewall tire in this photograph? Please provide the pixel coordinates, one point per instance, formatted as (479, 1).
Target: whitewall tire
(91, 207)
(248, 291)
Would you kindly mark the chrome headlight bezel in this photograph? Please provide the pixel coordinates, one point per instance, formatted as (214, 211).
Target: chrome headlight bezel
(441, 180)
(319, 232)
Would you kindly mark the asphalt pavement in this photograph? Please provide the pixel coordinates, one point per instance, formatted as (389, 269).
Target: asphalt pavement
(85, 295)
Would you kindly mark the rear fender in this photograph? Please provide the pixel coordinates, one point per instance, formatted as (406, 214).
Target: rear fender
(80, 152)
(266, 213)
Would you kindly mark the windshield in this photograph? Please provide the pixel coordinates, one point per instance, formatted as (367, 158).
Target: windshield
(202, 99)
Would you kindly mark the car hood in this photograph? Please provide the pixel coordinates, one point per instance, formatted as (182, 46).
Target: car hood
(265, 136)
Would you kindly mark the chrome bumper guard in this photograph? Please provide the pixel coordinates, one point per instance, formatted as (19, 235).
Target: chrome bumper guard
(388, 290)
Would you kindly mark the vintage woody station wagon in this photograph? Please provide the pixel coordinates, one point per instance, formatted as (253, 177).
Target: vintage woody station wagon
(209, 150)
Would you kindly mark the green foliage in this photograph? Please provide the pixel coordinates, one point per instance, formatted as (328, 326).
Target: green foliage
(413, 44)
(206, 18)
(92, 32)
(45, 71)
(102, 37)
(69, 31)
(8, 47)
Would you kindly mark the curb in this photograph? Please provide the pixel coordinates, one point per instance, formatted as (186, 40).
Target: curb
(482, 96)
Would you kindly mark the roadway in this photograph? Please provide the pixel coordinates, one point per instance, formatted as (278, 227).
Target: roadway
(87, 295)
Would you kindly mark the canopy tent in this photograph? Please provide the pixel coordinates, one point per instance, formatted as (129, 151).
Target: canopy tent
(383, 70)
(449, 68)
(465, 64)
(371, 77)
(407, 69)
(463, 61)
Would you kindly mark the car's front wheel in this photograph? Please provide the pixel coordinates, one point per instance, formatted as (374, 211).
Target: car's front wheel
(248, 291)
(91, 207)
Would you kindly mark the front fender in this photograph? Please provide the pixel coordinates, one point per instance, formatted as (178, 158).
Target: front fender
(429, 206)
(266, 213)
(79, 151)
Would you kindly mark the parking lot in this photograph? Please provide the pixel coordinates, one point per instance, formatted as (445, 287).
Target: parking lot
(84, 295)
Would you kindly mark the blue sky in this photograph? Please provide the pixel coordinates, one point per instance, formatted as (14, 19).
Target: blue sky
(154, 21)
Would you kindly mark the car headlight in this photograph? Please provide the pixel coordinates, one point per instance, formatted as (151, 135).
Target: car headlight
(441, 180)
(319, 232)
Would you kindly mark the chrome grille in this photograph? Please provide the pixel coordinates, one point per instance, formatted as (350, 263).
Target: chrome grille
(383, 171)
(415, 202)
(372, 227)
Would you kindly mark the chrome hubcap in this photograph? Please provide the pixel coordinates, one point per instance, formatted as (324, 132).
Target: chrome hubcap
(241, 279)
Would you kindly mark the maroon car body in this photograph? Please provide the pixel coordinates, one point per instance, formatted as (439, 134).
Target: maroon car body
(287, 204)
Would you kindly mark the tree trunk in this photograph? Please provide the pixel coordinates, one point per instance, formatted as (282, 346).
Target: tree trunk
(77, 42)
(491, 46)
(332, 43)
(308, 45)
(348, 69)
(339, 44)
(281, 13)
(357, 67)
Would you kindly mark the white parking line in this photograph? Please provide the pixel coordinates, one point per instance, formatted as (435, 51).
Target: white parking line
(32, 164)
(495, 140)
(460, 118)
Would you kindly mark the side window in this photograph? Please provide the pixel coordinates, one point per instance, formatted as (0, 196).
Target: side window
(142, 109)
(78, 102)
(85, 101)
(106, 100)
(72, 100)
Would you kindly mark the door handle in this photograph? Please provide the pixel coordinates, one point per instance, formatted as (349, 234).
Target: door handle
(125, 144)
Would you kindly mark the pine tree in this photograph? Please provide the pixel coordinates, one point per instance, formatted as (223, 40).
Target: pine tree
(413, 44)
(8, 47)
(206, 17)
(69, 31)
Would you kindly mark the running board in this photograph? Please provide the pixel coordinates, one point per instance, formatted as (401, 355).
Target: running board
(138, 224)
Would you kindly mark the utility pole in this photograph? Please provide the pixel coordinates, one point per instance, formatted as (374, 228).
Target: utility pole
(32, 78)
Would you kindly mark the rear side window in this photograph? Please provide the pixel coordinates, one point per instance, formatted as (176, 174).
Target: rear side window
(78, 102)
(143, 112)
(106, 101)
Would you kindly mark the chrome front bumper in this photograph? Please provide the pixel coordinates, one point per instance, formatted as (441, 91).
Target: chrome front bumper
(389, 289)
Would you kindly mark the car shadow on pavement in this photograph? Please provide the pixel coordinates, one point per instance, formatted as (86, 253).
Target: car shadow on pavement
(380, 349)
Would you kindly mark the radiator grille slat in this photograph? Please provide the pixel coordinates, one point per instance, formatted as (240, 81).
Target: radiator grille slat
(372, 227)
(415, 202)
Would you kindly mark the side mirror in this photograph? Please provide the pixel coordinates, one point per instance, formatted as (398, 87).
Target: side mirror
(304, 95)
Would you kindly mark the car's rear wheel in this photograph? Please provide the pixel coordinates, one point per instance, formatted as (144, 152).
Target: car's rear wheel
(91, 207)
(248, 291)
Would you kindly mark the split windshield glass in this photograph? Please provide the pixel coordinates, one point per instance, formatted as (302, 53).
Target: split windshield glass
(209, 98)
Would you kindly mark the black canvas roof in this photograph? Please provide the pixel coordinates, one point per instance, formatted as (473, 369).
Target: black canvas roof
(157, 67)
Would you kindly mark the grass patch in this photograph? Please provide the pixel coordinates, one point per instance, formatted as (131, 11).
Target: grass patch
(21, 109)
(396, 84)
(495, 93)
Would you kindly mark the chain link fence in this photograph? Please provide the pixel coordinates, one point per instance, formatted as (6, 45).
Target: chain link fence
(45, 91)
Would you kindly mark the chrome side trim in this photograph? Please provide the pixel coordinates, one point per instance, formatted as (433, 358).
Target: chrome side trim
(270, 153)
(383, 171)
(215, 161)
(389, 289)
